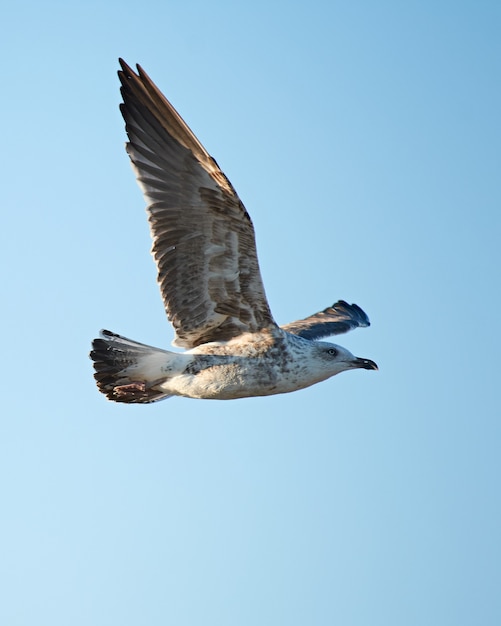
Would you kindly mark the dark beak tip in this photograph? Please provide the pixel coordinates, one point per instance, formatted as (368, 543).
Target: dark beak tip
(367, 364)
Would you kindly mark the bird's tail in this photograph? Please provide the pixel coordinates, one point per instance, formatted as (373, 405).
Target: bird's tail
(127, 371)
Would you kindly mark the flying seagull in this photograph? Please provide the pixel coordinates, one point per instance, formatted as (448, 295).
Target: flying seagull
(205, 251)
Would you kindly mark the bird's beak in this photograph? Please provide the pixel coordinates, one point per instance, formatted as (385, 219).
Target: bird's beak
(365, 364)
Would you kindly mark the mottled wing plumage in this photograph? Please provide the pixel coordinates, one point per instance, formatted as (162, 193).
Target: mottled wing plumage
(335, 320)
(203, 238)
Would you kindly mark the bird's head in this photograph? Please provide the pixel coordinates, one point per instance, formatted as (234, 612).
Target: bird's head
(334, 359)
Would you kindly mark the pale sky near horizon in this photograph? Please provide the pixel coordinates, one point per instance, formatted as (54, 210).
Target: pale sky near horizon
(364, 140)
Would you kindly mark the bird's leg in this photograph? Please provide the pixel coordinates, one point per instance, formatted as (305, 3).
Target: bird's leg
(121, 390)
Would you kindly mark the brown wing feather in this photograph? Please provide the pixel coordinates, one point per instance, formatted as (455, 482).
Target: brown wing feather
(203, 238)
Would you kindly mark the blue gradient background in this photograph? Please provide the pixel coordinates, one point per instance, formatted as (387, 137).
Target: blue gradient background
(364, 139)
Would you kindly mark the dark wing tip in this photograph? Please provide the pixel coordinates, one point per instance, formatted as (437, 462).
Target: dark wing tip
(125, 72)
(334, 320)
(352, 311)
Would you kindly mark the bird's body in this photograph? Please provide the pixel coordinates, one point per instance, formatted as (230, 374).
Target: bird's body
(254, 364)
(204, 247)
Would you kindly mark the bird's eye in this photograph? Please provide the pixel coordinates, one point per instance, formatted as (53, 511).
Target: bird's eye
(332, 351)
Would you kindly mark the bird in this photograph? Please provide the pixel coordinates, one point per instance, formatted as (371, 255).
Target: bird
(204, 248)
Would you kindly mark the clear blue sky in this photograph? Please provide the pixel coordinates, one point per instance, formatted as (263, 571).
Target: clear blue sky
(364, 139)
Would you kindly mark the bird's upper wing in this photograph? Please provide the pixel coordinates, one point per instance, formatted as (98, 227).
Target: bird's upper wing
(203, 238)
(335, 320)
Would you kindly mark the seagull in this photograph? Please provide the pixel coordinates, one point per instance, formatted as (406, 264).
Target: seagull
(208, 272)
